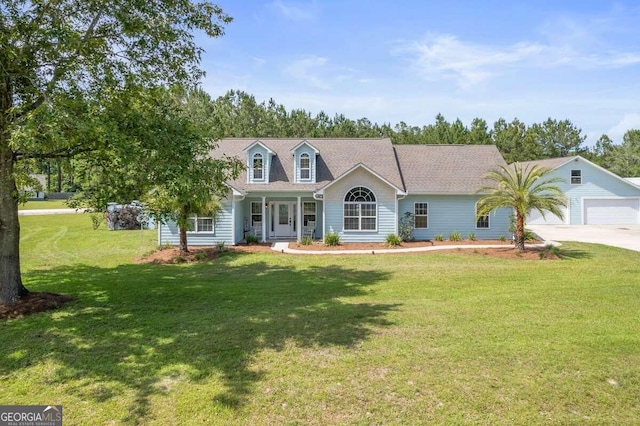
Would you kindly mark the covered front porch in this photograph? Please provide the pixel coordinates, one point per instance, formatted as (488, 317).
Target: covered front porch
(279, 217)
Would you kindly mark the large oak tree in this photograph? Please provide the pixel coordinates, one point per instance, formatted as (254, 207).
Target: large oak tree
(58, 60)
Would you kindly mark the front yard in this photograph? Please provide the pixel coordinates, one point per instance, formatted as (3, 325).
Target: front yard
(267, 338)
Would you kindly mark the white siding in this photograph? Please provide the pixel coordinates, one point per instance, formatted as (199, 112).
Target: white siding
(386, 203)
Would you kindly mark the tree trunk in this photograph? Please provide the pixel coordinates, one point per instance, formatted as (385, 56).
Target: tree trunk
(519, 231)
(59, 177)
(184, 249)
(11, 288)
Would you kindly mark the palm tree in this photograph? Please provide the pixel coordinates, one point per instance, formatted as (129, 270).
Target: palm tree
(523, 189)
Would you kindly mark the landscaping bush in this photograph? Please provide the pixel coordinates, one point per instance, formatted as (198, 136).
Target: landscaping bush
(332, 239)
(393, 240)
(471, 236)
(252, 239)
(439, 237)
(306, 240)
(407, 225)
(455, 236)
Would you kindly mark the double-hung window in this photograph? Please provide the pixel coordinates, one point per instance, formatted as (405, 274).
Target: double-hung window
(421, 215)
(482, 222)
(305, 166)
(200, 224)
(258, 167)
(360, 210)
(576, 177)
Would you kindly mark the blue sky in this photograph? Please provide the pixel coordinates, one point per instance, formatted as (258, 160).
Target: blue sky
(410, 60)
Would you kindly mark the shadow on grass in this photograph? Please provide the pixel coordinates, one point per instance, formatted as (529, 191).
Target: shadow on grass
(144, 327)
(575, 254)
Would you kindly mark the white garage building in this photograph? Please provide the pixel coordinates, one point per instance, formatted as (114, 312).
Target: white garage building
(595, 195)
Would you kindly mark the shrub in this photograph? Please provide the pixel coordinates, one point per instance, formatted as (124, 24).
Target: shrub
(252, 239)
(96, 220)
(200, 256)
(502, 238)
(439, 237)
(332, 239)
(180, 259)
(306, 240)
(455, 236)
(407, 224)
(471, 236)
(220, 246)
(393, 240)
(165, 246)
(529, 235)
(554, 250)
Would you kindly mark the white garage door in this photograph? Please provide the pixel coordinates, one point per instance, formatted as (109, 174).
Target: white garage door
(535, 218)
(612, 211)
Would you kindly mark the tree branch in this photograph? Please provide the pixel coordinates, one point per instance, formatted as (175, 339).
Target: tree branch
(59, 68)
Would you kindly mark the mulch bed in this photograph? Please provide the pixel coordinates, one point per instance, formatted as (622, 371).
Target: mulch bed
(198, 254)
(33, 303)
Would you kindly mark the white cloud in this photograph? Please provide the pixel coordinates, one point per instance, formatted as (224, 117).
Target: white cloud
(445, 57)
(309, 70)
(628, 122)
(294, 12)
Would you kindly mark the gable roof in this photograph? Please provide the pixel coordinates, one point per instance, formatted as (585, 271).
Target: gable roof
(305, 142)
(554, 163)
(257, 142)
(446, 169)
(362, 166)
(549, 163)
(335, 158)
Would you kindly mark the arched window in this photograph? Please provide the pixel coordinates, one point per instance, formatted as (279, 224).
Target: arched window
(360, 210)
(258, 167)
(305, 167)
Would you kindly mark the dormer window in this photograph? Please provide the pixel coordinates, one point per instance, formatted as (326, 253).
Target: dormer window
(305, 167)
(258, 167)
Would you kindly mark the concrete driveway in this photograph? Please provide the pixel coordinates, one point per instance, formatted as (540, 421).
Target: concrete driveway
(623, 236)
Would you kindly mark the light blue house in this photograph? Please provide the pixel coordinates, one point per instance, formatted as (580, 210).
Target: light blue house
(595, 196)
(358, 188)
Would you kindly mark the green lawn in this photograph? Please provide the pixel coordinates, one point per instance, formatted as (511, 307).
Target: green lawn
(47, 204)
(279, 339)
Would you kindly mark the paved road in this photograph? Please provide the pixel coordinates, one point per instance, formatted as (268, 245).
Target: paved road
(624, 236)
(40, 212)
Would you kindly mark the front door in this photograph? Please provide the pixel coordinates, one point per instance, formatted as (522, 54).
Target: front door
(284, 220)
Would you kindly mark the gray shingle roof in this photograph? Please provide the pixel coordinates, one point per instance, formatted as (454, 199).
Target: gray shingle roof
(336, 157)
(549, 163)
(446, 169)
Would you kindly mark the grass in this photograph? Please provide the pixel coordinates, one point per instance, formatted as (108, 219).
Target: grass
(48, 204)
(278, 339)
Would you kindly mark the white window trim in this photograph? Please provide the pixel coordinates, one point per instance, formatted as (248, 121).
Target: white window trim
(251, 213)
(300, 168)
(477, 218)
(315, 211)
(414, 215)
(577, 177)
(195, 219)
(360, 217)
(253, 168)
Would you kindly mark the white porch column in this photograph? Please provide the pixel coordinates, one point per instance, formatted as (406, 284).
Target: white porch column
(299, 221)
(264, 219)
